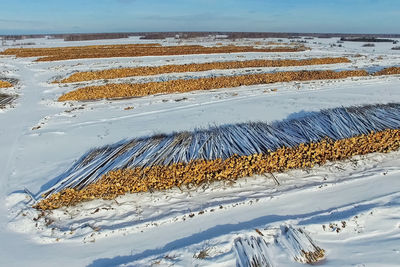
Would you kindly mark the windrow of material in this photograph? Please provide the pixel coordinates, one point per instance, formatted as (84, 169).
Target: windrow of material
(145, 71)
(5, 84)
(135, 50)
(126, 90)
(225, 152)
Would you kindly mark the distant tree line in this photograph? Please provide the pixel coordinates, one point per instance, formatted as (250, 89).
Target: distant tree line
(222, 35)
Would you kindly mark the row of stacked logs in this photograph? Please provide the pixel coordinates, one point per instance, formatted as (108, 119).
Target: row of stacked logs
(145, 71)
(5, 84)
(126, 90)
(136, 50)
(122, 181)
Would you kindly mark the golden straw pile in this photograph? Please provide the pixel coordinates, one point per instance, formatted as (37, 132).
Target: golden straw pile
(124, 90)
(144, 71)
(5, 84)
(119, 182)
(134, 50)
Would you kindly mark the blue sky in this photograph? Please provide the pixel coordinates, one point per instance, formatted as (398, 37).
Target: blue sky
(57, 16)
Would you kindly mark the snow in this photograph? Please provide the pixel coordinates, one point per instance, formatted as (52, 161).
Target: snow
(173, 227)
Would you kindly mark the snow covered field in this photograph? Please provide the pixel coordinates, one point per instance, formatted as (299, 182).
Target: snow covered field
(350, 209)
